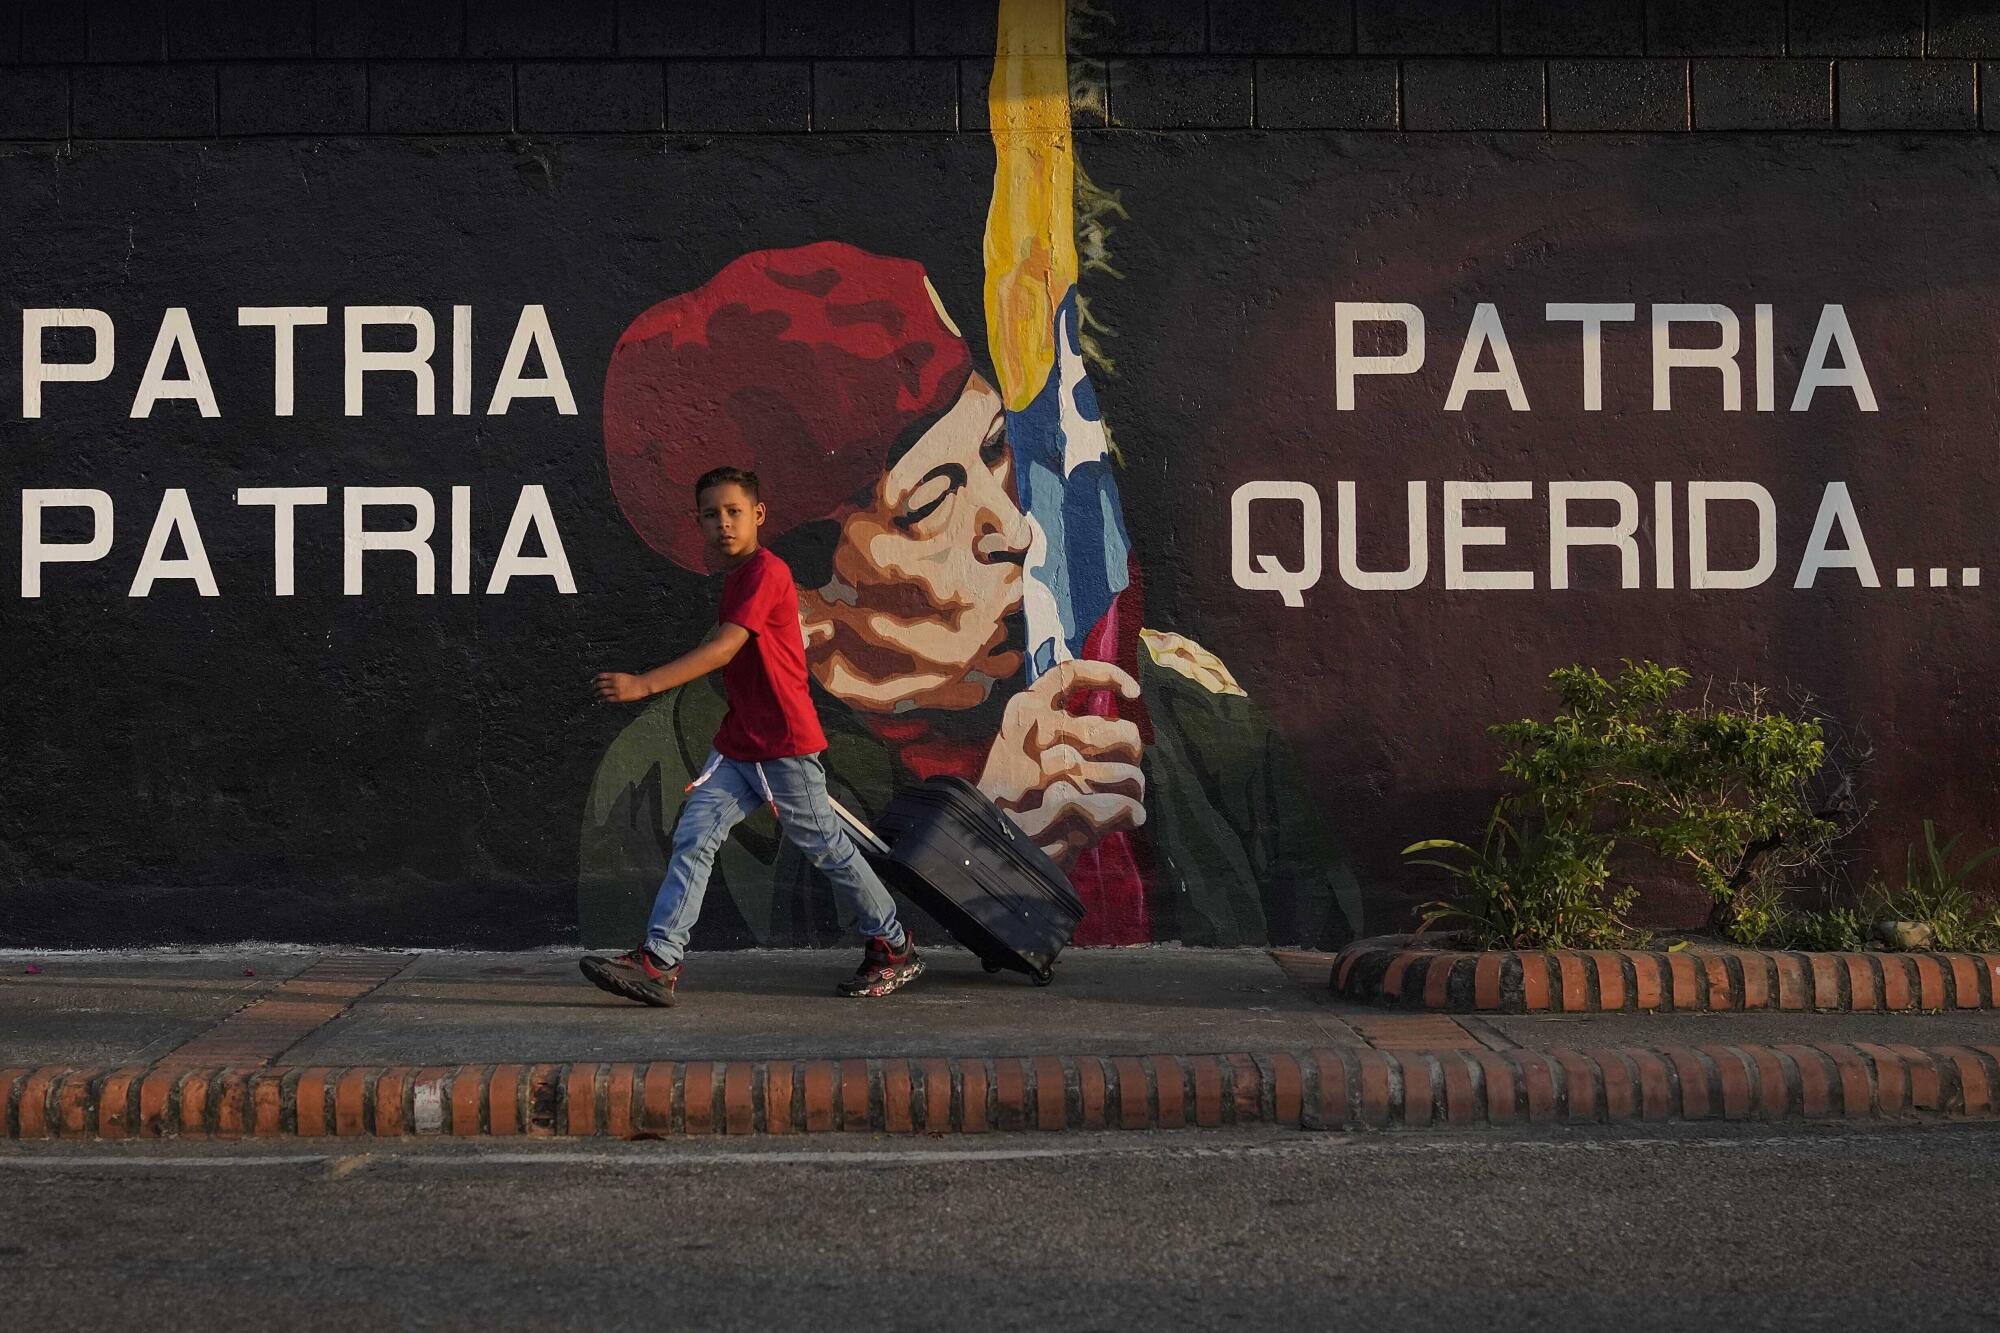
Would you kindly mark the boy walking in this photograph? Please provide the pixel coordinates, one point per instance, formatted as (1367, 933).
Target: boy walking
(767, 751)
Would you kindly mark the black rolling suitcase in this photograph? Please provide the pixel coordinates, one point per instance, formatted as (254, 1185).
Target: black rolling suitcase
(960, 858)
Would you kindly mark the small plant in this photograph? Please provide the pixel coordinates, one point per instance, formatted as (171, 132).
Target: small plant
(1765, 919)
(1836, 929)
(1761, 915)
(1532, 883)
(1936, 892)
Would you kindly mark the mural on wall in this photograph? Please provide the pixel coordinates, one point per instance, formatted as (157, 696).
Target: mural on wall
(971, 600)
(315, 489)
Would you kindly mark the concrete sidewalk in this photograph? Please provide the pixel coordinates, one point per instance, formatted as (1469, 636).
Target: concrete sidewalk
(272, 1039)
(455, 1008)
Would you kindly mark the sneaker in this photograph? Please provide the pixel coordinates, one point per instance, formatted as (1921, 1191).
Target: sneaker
(883, 970)
(636, 976)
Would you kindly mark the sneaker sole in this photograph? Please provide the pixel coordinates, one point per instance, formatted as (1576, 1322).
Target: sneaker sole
(605, 979)
(888, 985)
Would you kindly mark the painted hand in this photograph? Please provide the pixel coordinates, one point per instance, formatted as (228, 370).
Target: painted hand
(1067, 781)
(616, 687)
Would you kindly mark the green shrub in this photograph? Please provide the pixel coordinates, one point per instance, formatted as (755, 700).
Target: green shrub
(1722, 787)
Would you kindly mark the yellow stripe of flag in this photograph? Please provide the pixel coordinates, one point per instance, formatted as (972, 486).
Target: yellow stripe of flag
(1030, 227)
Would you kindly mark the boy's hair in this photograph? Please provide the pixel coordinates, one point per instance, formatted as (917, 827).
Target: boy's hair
(719, 476)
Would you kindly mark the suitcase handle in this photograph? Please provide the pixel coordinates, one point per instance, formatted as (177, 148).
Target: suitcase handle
(862, 833)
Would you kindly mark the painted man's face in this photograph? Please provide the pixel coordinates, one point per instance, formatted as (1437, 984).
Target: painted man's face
(927, 574)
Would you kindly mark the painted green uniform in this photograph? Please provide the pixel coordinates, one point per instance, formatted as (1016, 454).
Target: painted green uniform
(1232, 850)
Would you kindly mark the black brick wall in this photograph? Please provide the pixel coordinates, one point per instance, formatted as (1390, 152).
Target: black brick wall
(615, 96)
(537, 28)
(885, 95)
(387, 30)
(1309, 94)
(1763, 94)
(1152, 93)
(739, 96)
(1607, 94)
(199, 68)
(293, 97)
(1564, 27)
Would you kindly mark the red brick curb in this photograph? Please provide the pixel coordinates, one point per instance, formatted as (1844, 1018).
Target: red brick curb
(1568, 981)
(1349, 1087)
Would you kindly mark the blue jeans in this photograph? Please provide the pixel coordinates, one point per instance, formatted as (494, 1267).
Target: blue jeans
(727, 791)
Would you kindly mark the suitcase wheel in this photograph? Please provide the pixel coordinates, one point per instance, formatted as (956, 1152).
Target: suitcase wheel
(1040, 976)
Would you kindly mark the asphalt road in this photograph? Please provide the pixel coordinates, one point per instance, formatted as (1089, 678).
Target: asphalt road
(1801, 1229)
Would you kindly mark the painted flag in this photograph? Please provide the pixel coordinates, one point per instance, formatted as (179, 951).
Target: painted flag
(1079, 599)
(1079, 561)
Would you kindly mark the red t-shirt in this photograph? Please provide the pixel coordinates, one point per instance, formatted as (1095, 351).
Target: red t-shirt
(771, 713)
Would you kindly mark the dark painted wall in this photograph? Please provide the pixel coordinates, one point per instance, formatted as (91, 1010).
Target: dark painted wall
(396, 767)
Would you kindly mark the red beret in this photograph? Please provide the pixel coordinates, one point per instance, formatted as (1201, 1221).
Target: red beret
(804, 365)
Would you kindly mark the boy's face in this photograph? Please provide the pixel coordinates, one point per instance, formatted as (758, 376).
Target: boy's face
(730, 520)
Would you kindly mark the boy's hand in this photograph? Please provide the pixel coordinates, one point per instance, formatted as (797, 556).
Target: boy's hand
(1067, 781)
(616, 687)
